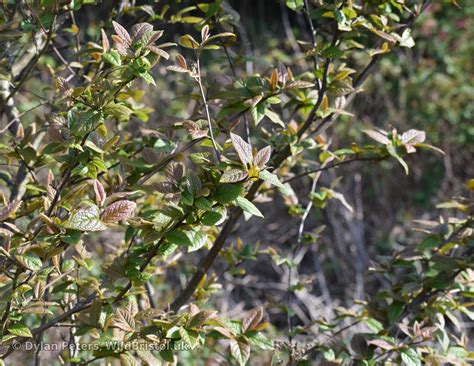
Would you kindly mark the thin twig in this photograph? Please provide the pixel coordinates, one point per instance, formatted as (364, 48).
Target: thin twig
(290, 266)
(206, 106)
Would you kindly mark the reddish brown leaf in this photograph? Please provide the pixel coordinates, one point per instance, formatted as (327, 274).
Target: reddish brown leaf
(156, 36)
(164, 187)
(122, 33)
(99, 191)
(233, 175)
(243, 149)
(205, 33)
(159, 51)
(252, 320)
(201, 318)
(9, 209)
(174, 172)
(105, 41)
(119, 210)
(139, 29)
(262, 157)
(124, 320)
(63, 86)
(182, 62)
(225, 332)
(193, 129)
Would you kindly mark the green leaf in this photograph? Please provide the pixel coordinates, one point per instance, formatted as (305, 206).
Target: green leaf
(211, 218)
(259, 340)
(86, 220)
(394, 311)
(198, 239)
(410, 357)
(84, 122)
(275, 118)
(193, 183)
(271, 178)
(167, 248)
(20, 330)
(430, 242)
(295, 5)
(226, 193)
(148, 78)
(118, 110)
(30, 261)
(167, 355)
(374, 325)
(248, 206)
(393, 152)
(188, 42)
(203, 204)
(258, 112)
(112, 58)
(178, 237)
(71, 237)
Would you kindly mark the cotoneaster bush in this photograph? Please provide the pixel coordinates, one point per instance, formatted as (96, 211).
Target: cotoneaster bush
(99, 210)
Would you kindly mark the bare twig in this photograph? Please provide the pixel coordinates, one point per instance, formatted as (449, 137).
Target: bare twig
(206, 106)
(289, 316)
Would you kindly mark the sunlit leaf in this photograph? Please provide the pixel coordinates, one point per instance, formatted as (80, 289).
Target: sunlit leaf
(86, 220)
(248, 206)
(243, 149)
(119, 211)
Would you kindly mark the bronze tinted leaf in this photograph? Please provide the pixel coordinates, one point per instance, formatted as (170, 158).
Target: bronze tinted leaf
(174, 172)
(240, 350)
(124, 320)
(204, 32)
(99, 191)
(63, 86)
(154, 37)
(122, 33)
(164, 187)
(118, 211)
(177, 69)
(233, 175)
(243, 149)
(298, 84)
(200, 318)
(262, 157)
(193, 129)
(252, 320)
(182, 62)
(159, 51)
(139, 29)
(377, 136)
(105, 41)
(9, 209)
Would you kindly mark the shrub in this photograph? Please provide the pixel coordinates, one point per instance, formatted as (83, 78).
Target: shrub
(99, 208)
